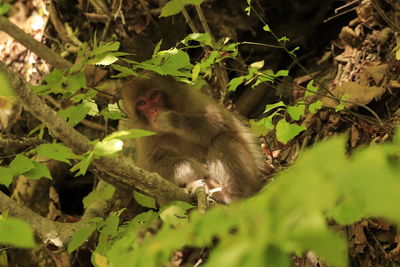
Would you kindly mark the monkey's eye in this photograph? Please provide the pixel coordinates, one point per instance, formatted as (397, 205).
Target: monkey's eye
(153, 95)
(140, 103)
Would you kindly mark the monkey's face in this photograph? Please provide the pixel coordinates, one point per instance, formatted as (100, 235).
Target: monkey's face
(150, 105)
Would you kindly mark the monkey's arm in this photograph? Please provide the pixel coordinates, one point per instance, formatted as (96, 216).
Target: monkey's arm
(198, 128)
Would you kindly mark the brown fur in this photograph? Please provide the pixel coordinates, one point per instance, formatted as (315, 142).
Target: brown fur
(196, 139)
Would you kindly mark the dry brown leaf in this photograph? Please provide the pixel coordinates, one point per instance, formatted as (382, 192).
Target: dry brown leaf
(377, 72)
(356, 93)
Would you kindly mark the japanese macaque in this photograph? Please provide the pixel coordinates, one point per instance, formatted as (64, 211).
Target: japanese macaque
(196, 140)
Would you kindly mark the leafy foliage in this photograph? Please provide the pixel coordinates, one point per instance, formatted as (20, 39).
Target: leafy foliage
(16, 233)
(289, 216)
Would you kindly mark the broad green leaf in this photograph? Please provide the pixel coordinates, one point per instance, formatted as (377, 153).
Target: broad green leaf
(100, 260)
(203, 38)
(157, 47)
(262, 127)
(107, 148)
(144, 200)
(54, 83)
(266, 28)
(107, 47)
(319, 239)
(282, 73)
(74, 114)
(56, 151)
(4, 8)
(6, 176)
(173, 7)
(234, 83)
(21, 164)
(314, 107)
(112, 112)
(132, 133)
(17, 233)
(89, 94)
(270, 107)
(40, 171)
(100, 193)
(124, 71)
(286, 131)
(311, 89)
(296, 112)
(81, 236)
(105, 59)
(175, 213)
(6, 90)
(76, 82)
(93, 109)
(257, 64)
(83, 165)
(196, 72)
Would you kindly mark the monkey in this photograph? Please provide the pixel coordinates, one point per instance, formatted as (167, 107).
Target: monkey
(196, 139)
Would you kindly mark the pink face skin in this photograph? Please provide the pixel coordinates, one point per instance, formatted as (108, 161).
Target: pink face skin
(150, 105)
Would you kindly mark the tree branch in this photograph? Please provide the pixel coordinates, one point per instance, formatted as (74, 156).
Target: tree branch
(30, 43)
(54, 234)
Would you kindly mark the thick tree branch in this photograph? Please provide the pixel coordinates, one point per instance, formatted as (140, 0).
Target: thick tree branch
(55, 234)
(119, 171)
(30, 43)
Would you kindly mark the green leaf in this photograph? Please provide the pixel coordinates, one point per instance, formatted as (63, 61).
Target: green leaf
(234, 83)
(124, 71)
(175, 213)
(6, 90)
(101, 193)
(76, 82)
(4, 8)
(266, 28)
(83, 165)
(112, 112)
(54, 82)
(311, 89)
(296, 112)
(314, 107)
(93, 109)
(17, 233)
(6, 176)
(21, 164)
(126, 134)
(81, 236)
(270, 107)
(57, 152)
(173, 7)
(284, 39)
(107, 148)
(104, 59)
(108, 232)
(286, 131)
(40, 171)
(145, 201)
(203, 38)
(282, 73)
(89, 94)
(107, 47)
(74, 114)
(262, 127)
